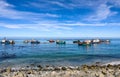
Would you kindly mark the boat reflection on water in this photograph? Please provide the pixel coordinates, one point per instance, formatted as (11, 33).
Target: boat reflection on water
(85, 47)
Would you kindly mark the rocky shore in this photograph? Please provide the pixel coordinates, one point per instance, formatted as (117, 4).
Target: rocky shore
(62, 71)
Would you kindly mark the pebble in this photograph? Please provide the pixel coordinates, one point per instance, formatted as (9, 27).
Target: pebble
(49, 71)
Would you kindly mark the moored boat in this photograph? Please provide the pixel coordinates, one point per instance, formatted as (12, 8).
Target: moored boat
(96, 41)
(85, 43)
(35, 42)
(105, 40)
(12, 41)
(5, 42)
(76, 41)
(60, 42)
(26, 41)
(51, 41)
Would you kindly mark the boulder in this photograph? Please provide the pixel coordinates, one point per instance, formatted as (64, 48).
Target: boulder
(63, 68)
(30, 72)
(1, 76)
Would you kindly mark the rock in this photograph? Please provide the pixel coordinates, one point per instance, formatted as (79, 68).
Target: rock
(78, 68)
(1, 70)
(101, 75)
(110, 75)
(53, 73)
(111, 71)
(30, 72)
(20, 74)
(96, 74)
(57, 68)
(27, 66)
(40, 67)
(8, 70)
(68, 75)
(50, 68)
(1, 76)
(85, 69)
(93, 67)
(110, 66)
(63, 68)
(50, 71)
(73, 68)
(47, 65)
(83, 66)
(117, 74)
(92, 74)
(97, 63)
(104, 71)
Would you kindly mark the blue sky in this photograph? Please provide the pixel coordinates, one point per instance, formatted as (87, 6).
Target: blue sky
(60, 18)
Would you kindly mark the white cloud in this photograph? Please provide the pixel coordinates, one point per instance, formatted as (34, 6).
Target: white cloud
(7, 11)
(102, 13)
(51, 15)
(4, 4)
(101, 9)
(51, 4)
(61, 4)
(115, 2)
(42, 26)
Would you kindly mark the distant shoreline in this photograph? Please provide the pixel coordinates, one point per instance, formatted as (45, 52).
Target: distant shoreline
(14, 37)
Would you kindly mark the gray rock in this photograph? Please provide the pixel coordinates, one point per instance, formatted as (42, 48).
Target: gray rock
(1, 76)
(63, 68)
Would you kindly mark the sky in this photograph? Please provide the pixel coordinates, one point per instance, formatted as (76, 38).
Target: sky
(59, 18)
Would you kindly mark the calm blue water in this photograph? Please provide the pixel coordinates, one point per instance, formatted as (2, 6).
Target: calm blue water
(52, 54)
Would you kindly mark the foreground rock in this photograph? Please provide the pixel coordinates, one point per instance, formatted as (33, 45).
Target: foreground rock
(51, 71)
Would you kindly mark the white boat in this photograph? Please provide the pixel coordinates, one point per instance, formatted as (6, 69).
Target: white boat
(96, 41)
(5, 42)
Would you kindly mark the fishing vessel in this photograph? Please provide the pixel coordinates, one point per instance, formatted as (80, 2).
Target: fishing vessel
(35, 42)
(6, 42)
(85, 43)
(60, 42)
(51, 41)
(76, 41)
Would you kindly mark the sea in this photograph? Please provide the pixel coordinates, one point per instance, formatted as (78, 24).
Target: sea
(68, 54)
